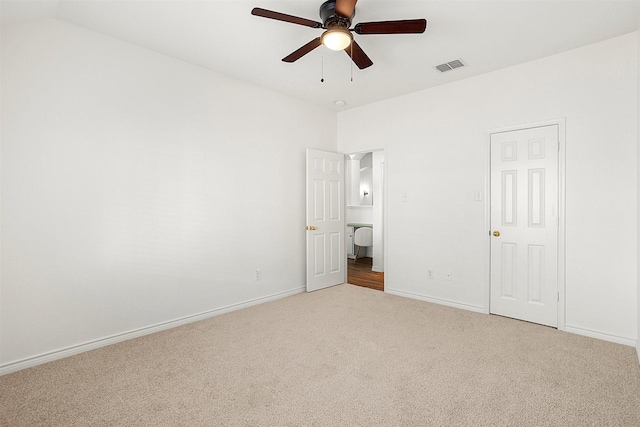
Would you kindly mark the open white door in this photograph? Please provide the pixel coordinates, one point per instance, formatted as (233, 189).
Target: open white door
(325, 220)
(524, 224)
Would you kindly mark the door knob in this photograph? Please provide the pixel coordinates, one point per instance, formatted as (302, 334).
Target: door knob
(311, 227)
(496, 233)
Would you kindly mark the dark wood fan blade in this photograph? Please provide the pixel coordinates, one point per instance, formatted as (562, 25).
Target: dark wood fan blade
(345, 8)
(409, 26)
(294, 56)
(284, 17)
(358, 56)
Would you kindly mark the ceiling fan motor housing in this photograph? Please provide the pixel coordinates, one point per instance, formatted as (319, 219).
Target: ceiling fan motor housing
(329, 17)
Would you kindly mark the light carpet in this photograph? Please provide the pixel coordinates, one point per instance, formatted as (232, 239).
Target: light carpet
(343, 356)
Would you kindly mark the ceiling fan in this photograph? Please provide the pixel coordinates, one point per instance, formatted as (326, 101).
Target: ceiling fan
(336, 18)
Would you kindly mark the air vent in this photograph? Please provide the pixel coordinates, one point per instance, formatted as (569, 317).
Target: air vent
(450, 65)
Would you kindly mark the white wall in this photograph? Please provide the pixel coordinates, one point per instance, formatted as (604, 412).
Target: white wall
(638, 176)
(352, 181)
(361, 214)
(138, 189)
(437, 154)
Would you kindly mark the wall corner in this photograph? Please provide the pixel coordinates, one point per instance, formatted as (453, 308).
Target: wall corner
(638, 197)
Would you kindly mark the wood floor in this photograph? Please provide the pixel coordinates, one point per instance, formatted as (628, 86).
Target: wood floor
(359, 273)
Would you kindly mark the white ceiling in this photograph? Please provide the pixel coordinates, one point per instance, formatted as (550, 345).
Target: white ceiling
(223, 36)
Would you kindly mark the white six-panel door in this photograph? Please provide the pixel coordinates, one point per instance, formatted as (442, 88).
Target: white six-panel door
(326, 258)
(524, 224)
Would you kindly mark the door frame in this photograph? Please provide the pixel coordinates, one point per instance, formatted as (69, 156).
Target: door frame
(561, 123)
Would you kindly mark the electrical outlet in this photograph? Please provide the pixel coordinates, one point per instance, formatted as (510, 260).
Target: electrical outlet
(429, 274)
(447, 276)
(258, 274)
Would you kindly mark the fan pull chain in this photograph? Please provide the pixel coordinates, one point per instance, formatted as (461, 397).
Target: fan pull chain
(321, 63)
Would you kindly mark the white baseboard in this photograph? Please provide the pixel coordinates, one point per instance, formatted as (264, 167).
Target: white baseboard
(571, 329)
(29, 362)
(440, 301)
(601, 336)
(377, 268)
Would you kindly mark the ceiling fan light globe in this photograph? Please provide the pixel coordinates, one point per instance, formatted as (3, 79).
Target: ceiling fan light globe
(337, 39)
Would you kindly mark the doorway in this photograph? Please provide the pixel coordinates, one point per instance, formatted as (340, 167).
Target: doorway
(526, 253)
(364, 195)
